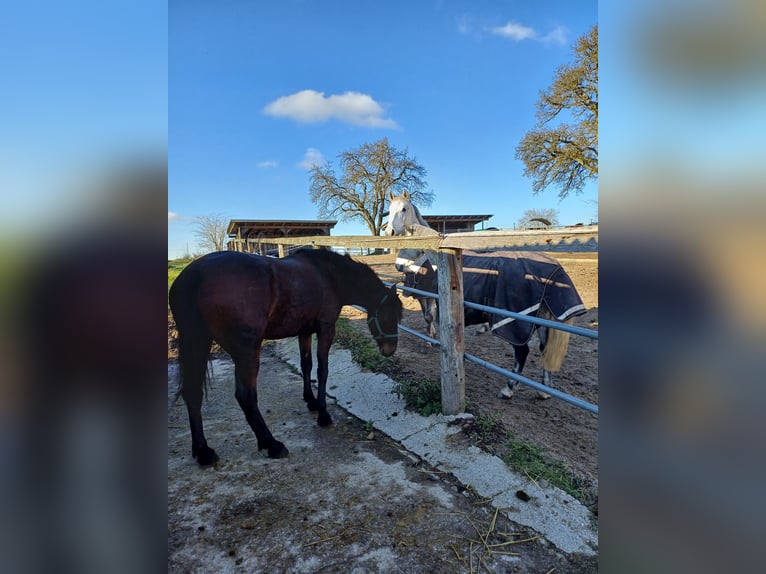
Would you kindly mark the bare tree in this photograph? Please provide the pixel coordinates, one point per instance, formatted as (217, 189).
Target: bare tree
(540, 216)
(210, 231)
(369, 173)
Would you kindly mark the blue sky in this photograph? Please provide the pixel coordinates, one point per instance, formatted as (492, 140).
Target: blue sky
(259, 90)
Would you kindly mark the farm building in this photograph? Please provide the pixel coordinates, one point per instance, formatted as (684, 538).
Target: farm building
(455, 223)
(252, 235)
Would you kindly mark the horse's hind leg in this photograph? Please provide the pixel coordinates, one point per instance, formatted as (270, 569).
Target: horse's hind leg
(246, 366)
(193, 350)
(304, 344)
(324, 340)
(520, 353)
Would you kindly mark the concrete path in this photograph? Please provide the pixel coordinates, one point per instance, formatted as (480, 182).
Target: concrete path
(554, 514)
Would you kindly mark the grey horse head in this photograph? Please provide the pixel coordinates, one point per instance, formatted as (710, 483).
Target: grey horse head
(402, 214)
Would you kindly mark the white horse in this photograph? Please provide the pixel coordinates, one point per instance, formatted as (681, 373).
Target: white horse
(420, 272)
(404, 219)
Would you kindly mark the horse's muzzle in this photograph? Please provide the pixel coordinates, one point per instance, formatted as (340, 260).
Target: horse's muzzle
(387, 348)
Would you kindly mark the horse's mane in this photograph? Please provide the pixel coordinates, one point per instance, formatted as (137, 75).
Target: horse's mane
(343, 264)
(419, 217)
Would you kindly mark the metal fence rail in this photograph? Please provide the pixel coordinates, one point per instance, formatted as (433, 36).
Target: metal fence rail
(499, 370)
(504, 313)
(511, 375)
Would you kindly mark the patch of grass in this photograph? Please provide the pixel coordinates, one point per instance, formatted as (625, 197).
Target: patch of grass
(363, 349)
(531, 461)
(175, 267)
(485, 429)
(421, 395)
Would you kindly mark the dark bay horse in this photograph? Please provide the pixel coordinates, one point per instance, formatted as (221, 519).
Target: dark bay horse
(529, 283)
(240, 299)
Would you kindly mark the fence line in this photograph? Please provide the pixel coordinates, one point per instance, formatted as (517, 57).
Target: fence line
(449, 258)
(499, 370)
(591, 334)
(510, 374)
(583, 239)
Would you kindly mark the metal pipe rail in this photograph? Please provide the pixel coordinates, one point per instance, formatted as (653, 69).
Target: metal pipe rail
(505, 373)
(534, 384)
(504, 313)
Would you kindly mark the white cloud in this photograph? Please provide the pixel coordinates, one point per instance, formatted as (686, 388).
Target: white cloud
(267, 164)
(310, 107)
(556, 36)
(520, 32)
(515, 31)
(173, 216)
(311, 158)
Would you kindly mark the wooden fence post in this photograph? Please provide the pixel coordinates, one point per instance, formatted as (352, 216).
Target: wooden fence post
(451, 329)
(281, 250)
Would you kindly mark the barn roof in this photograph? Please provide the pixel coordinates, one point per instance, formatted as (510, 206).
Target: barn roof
(261, 228)
(468, 219)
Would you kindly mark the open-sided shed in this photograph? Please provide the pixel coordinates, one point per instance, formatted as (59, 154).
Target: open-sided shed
(455, 223)
(252, 235)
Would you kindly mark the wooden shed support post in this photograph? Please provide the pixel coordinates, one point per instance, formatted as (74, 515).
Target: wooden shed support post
(281, 250)
(451, 330)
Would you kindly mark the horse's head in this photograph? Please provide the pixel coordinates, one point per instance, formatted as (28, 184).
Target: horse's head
(401, 214)
(383, 322)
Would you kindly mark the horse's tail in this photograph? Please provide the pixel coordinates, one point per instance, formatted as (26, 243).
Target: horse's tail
(556, 347)
(194, 339)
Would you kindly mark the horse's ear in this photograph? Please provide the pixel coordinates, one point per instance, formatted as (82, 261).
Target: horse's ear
(391, 195)
(405, 194)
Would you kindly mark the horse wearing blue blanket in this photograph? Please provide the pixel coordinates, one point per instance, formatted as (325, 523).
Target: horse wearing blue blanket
(528, 283)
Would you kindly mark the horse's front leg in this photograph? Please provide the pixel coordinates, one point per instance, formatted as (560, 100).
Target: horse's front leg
(520, 353)
(304, 344)
(246, 366)
(430, 310)
(324, 339)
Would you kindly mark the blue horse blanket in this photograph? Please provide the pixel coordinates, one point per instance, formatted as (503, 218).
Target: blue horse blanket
(517, 281)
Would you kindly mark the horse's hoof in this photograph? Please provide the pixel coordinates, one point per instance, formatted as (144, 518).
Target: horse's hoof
(482, 329)
(324, 419)
(311, 407)
(278, 450)
(505, 393)
(205, 456)
(543, 396)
